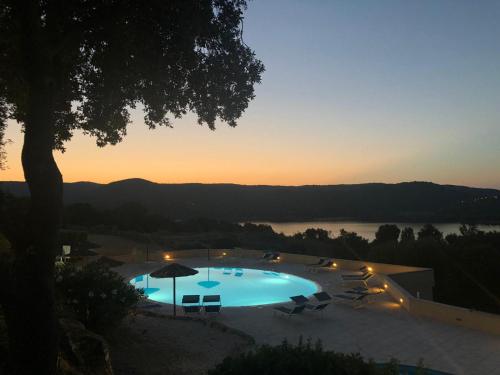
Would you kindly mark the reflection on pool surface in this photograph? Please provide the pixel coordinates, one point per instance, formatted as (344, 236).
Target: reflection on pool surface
(236, 286)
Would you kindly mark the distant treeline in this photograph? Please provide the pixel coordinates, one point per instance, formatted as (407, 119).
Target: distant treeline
(403, 202)
(466, 265)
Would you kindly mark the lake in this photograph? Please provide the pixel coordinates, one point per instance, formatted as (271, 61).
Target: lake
(366, 230)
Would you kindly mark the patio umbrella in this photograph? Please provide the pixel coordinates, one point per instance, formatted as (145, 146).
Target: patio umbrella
(208, 283)
(173, 270)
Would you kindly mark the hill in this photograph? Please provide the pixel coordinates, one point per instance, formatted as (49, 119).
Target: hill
(407, 201)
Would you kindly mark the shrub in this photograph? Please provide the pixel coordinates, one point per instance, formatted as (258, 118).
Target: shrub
(4, 244)
(302, 359)
(98, 297)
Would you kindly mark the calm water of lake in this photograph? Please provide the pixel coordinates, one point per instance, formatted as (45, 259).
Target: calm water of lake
(366, 230)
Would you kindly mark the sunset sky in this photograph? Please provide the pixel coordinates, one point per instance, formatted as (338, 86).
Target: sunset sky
(354, 91)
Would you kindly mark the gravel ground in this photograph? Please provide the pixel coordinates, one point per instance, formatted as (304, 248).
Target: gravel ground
(152, 345)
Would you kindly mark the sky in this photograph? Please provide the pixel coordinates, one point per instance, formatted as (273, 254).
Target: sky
(354, 91)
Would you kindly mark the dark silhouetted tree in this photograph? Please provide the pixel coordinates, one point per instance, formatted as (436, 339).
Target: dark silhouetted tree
(469, 230)
(84, 65)
(430, 231)
(407, 235)
(387, 233)
(316, 234)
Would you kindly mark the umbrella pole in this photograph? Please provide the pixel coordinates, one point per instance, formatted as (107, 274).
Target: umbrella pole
(174, 298)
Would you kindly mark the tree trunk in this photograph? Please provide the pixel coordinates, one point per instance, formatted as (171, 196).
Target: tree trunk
(30, 308)
(31, 314)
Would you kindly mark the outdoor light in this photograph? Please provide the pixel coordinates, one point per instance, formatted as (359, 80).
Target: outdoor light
(278, 258)
(334, 265)
(224, 254)
(370, 269)
(386, 286)
(400, 300)
(166, 257)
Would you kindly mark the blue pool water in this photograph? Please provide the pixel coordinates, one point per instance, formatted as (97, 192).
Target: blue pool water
(236, 286)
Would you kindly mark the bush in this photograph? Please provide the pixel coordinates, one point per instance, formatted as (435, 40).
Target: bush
(302, 359)
(4, 244)
(98, 297)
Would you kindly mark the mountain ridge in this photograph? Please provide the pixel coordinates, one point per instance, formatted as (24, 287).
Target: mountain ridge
(405, 201)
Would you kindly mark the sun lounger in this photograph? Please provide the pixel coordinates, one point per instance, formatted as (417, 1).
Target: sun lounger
(363, 290)
(275, 257)
(289, 311)
(362, 278)
(214, 298)
(362, 271)
(212, 304)
(302, 300)
(319, 307)
(350, 298)
(354, 300)
(266, 256)
(299, 300)
(357, 276)
(328, 264)
(322, 296)
(320, 262)
(191, 303)
(191, 298)
(189, 309)
(212, 309)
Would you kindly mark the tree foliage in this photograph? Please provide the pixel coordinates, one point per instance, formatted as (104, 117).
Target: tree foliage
(3, 119)
(104, 58)
(287, 359)
(407, 235)
(85, 65)
(97, 296)
(316, 234)
(387, 233)
(429, 231)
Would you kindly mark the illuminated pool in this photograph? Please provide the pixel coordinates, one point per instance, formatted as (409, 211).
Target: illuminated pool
(236, 286)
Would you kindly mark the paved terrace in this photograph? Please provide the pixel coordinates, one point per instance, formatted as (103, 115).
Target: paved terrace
(380, 330)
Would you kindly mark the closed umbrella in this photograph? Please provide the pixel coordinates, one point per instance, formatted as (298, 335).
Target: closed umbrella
(173, 270)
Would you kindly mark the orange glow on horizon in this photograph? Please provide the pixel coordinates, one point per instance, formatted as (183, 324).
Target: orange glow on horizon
(246, 155)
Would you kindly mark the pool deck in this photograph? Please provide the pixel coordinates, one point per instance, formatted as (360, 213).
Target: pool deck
(380, 329)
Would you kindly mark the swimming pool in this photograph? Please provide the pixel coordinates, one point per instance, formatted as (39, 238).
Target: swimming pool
(236, 286)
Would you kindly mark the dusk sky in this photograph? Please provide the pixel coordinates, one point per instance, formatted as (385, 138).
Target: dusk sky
(354, 91)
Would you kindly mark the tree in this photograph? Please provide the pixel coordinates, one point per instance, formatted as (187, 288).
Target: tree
(407, 235)
(387, 233)
(469, 230)
(68, 65)
(430, 231)
(316, 234)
